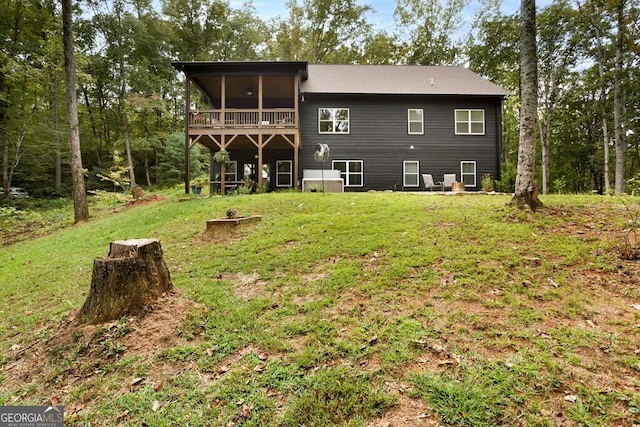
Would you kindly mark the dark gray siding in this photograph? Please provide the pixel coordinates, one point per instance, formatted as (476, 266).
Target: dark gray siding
(378, 136)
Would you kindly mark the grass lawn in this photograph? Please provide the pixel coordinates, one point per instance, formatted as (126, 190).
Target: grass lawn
(372, 309)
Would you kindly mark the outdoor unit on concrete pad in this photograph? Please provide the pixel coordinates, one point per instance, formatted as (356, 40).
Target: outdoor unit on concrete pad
(313, 179)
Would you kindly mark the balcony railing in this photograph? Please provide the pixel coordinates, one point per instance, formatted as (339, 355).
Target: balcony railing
(237, 118)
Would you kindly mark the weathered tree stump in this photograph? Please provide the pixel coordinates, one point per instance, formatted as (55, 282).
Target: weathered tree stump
(137, 192)
(133, 276)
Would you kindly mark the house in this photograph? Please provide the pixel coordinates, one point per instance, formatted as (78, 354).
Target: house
(385, 125)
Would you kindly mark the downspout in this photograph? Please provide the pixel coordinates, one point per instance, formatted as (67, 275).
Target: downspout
(499, 111)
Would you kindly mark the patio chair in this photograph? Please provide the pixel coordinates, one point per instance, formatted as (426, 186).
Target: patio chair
(449, 179)
(428, 181)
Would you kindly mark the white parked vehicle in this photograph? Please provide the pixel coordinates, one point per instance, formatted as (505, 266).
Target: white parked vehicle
(17, 192)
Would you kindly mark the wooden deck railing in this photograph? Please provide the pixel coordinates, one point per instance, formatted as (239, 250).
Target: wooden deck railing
(236, 118)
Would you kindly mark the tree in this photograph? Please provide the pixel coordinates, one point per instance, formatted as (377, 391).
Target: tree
(526, 191)
(81, 207)
(493, 53)
(428, 28)
(211, 30)
(320, 31)
(618, 97)
(556, 59)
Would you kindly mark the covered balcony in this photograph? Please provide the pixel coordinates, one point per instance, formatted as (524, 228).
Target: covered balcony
(249, 108)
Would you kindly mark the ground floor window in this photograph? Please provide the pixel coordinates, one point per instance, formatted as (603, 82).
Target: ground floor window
(468, 173)
(350, 172)
(231, 171)
(410, 173)
(284, 174)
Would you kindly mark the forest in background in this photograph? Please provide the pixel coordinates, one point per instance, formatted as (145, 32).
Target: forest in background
(128, 92)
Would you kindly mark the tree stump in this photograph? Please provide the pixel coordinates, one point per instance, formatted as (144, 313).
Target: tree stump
(133, 276)
(137, 192)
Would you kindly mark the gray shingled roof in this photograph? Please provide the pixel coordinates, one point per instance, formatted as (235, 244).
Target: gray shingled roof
(397, 79)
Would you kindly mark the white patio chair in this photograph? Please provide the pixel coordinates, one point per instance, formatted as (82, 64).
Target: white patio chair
(428, 181)
(449, 179)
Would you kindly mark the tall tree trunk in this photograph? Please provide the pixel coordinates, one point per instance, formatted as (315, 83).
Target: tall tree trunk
(5, 166)
(127, 146)
(526, 191)
(605, 133)
(617, 101)
(544, 145)
(5, 97)
(80, 205)
(56, 124)
(603, 102)
(147, 173)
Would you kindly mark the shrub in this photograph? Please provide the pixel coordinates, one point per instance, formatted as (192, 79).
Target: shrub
(487, 183)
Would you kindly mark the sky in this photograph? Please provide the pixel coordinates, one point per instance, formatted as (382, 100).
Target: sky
(382, 17)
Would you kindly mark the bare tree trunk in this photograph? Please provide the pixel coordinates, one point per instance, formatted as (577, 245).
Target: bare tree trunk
(5, 166)
(617, 102)
(127, 145)
(146, 168)
(80, 205)
(544, 144)
(526, 191)
(56, 123)
(603, 101)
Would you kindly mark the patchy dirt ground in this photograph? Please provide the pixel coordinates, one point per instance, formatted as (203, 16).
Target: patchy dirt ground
(89, 348)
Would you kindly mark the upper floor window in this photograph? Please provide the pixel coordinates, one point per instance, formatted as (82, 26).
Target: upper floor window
(469, 122)
(416, 122)
(333, 120)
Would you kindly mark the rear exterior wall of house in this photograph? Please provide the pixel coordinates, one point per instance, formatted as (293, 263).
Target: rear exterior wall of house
(390, 141)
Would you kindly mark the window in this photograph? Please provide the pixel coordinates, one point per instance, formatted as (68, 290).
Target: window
(468, 173)
(350, 172)
(416, 122)
(469, 122)
(230, 171)
(333, 120)
(410, 173)
(283, 173)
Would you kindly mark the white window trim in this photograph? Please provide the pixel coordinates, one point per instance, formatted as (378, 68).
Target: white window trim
(404, 173)
(348, 131)
(469, 110)
(421, 121)
(475, 172)
(347, 173)
(278, 173)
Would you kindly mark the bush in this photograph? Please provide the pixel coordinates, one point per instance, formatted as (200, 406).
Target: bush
(487, 183)
(508, 182)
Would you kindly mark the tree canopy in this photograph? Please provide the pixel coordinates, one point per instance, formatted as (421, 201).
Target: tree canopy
(130, 98)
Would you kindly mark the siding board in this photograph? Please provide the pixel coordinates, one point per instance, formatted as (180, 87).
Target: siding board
(379, 137)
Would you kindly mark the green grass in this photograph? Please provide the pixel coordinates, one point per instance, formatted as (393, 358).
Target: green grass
(487, 315)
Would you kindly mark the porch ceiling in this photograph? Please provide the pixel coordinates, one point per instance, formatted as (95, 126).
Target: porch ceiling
(275, 89)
